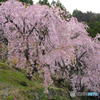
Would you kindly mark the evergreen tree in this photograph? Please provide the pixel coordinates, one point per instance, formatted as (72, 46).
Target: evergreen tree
(78, 14)
(24, 1)
(27, 1)
(44, 2)
(3, 0)
(92, 20)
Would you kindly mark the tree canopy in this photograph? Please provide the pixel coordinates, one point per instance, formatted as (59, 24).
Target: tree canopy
(92, 19)
(44, 2)
(27, 1)
(40, 39)
(24, 1)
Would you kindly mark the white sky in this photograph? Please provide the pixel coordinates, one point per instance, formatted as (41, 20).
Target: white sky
(83, 5)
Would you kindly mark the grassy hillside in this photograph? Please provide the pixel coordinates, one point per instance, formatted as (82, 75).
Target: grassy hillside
(15, 86)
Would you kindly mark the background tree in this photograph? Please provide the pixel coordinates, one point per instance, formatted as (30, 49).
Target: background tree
(78, 14)
(88, 15)
(24, 1)
(64, 14)
(44, 2)
(91, 19)
(98, 17)
(3, 0)
(53, 3)
(27, 1)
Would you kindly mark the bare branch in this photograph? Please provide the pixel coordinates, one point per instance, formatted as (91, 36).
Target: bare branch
(30, 31)
(16, 26)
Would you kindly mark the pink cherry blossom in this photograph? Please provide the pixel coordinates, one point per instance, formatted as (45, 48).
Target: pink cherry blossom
(39, 37)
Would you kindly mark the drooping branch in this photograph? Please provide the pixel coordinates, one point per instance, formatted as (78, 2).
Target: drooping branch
(79, 61)
(48, 37)
(6, 21)
(16, 26)
(82, 55)
(34, 27)
(23, 19)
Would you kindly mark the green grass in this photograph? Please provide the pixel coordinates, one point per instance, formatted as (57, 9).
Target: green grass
(13, 83)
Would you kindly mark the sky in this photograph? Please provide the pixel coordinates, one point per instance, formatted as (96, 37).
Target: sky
(82, 5)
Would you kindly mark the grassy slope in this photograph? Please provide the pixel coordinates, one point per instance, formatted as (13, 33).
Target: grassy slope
(15, 86)
(12, 83)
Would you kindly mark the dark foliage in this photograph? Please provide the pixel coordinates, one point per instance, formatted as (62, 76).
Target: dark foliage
(92, 19)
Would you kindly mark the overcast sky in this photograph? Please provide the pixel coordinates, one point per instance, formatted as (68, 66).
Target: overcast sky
(83, 5)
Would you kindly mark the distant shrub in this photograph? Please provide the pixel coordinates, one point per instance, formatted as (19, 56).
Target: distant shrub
(14, 61)
(23, 70)
(99, 39)
(10, 98)
(23, 83)
(4, 66)
(1, 60)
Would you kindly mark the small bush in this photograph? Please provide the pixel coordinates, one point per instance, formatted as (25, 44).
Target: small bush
(23, 83)
(99, 39)
(10, 98)
(24, 70)
(4, 66)
(1, 60)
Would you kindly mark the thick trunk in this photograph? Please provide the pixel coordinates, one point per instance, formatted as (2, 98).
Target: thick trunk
(27, 56)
